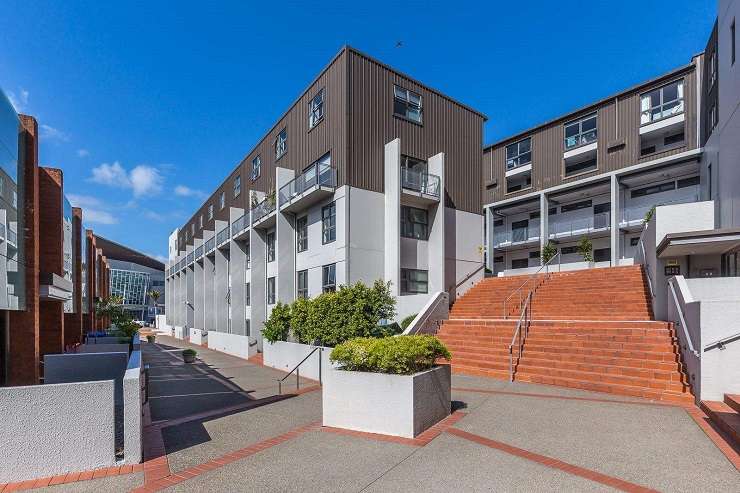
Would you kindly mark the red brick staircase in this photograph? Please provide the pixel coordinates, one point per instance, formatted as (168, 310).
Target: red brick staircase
(592, 330)
(726, 415)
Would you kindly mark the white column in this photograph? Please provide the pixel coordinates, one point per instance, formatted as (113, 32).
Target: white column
(209, 274)
(198, 289)
(237, 257)
(221, 282)
(284, 243)
(392, 226)
(258, 305)
(189, 296)
(437, 260)
(488, 218)
(544, 222)
(616, 212)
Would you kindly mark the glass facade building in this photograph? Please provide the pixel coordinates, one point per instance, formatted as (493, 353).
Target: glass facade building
(68, 251)
(12, 271)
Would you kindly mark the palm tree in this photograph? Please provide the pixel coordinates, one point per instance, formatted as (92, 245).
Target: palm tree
(154, 295)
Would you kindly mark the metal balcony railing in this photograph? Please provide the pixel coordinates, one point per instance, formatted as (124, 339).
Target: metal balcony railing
(321, 174)
(263, 209)
(189, 259)
(638, 212)
(198, 252)
(210, 244)
(12, 236)
(222, 236)
(519, 235)
(580, 226)
(425, 183)
(240, 224)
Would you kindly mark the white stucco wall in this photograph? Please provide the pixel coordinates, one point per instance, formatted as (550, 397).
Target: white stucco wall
(198, 336)
(285, 356)
(233, 344)
(87, 367)
(44, 429)
(132, 412)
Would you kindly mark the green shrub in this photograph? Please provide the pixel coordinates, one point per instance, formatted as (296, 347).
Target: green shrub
(407, 321)
(649, 214)
(332, 318)
(400, 355)
(548, 252)
(189, 352)
(585, 248)
(277, 326)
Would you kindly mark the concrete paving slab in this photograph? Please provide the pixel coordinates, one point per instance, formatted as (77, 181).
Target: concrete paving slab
(316, 462)
(450, 463)
(658, 447)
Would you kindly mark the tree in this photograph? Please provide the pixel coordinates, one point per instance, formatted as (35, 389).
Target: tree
(585, 248)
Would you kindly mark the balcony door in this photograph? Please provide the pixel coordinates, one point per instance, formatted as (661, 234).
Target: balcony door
(602, 215)
(519, 230)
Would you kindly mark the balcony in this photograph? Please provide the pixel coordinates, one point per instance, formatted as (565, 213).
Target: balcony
(420, 187)
(518, 236)
(633, 217)
(313, 185)
(199, 252)
(210, 245)
(580, 226)
(580, 153)
(262, 213)
(189, 258)
(223, 236)
(240, 226)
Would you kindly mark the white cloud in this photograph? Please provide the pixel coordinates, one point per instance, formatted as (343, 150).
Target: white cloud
(93, 209)
(142, 179)
(19, 101)
(83, 152)
(154, 216)
(145, 180)
(184, 191)
(51, 133)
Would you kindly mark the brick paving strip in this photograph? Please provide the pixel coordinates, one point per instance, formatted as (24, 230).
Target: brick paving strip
(553, 463)
(72, 477)
(719, 437)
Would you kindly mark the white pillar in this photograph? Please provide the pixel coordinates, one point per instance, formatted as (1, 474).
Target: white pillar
(209, 272)
(544, 222)
(258, 269)
(437, 260)
(237, 256)
(392, 227)
(221, 282)
(284, 243)
(616, 211)
(488, 218)
(198, 288)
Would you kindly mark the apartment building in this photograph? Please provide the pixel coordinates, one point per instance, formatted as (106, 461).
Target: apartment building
(596, 173)
(369, 175)
(46, 258)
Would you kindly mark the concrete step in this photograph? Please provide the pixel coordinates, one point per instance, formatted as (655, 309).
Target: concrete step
(733, 400)
(725, 417)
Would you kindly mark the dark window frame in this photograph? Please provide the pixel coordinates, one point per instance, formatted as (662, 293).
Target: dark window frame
(270, 246)
(271, 290)
(582, 137)
(301, 234)
(517, 159)
(329, 278)
(237, 186)
(329, 231)
(301, 291)
(316, 109)
(409, 225)
(407, 102)
(256, 167)
(281, 143)
(407, 281)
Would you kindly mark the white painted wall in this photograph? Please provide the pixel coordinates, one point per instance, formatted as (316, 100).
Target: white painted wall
(233, 344)
(198, 336)
(284, 356)
(44, 432)
(366, 247)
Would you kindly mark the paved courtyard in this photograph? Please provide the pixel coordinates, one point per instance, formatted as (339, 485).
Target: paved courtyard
(218, 425)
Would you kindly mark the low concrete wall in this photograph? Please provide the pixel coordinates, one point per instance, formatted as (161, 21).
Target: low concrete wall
(133, 388)
(178, 332)
(399, 405)
(233, 344)
(198, 336)
(87, 367)
(285, 355)
(429, 318)
(103, 348)
(47, 430)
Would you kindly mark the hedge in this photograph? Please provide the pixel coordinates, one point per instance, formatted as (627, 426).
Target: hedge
(400, 355)
(332, 318)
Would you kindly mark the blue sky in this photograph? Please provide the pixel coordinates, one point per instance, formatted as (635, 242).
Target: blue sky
(147, 107)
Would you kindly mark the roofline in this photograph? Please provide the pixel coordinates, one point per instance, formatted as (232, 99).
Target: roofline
(128, 248)
(691, 235)
(582, 109)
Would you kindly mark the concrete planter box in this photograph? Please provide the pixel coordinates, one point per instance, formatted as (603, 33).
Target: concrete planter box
(284, 356)
(188, 357)
(398, 405)
(233, 344)
(198, 336)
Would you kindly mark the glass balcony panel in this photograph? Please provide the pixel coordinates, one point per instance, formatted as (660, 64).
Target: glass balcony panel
(425, 183)
(318, 174)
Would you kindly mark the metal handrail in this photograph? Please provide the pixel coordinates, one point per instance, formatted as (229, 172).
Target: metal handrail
(525, 318)
(537, 272)
(720, 343)
(647, 269)
(297, 371)
(682, 321)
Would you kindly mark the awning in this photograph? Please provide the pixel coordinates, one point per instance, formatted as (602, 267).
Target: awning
(708, 242)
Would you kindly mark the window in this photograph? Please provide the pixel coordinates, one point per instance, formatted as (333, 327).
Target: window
(2, 186)
(247, 255)
(329, 278)
(281, 143)
(661, 102)
(519, 263)
(316, 110)
(498, 222)
(534, 255)
(602, 254)
(270, 290)
(534, 215)
(414, 281)
(568, 250)
(237, 186)
(271, 247)
(713, 68)
(302, 284)
(406, 104)
(552, 211)
(256, 167)
(200, 221)
(519, 230)
(673, 139)
(688, 182)
(498, 259)
(580, 167)
(247, 328)
(732, 42)
(712, 119)
(519, 154)
(602, 208)
(663, 187)
(301, 227)
(580, 132)
(328, 223)
(248, 294)
(222, 201)
(414, 223)
(584, 204)
(210, 211)
(634, 241)
(192, 229)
